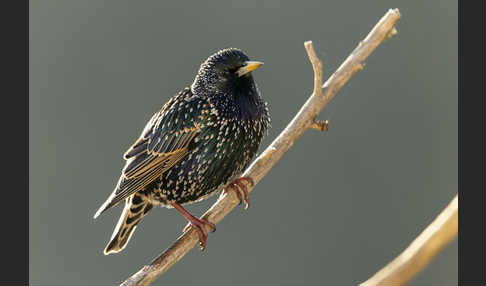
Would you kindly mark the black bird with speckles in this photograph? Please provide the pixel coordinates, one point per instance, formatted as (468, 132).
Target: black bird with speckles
(199, 142)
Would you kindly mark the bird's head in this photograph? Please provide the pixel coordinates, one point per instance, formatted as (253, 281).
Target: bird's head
(224, 71)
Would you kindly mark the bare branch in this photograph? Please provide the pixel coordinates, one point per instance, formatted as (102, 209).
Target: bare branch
(421, 251)
(260, 167)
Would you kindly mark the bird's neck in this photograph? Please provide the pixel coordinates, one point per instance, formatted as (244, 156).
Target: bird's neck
(242, 101)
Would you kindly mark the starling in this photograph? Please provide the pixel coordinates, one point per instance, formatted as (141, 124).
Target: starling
(199, 142)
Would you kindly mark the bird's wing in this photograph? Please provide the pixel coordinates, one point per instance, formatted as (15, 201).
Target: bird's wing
(163, 142)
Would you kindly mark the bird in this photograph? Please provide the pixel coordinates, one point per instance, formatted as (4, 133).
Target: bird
(200, 141)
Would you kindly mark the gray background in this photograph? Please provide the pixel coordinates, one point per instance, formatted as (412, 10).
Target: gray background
(334, 210)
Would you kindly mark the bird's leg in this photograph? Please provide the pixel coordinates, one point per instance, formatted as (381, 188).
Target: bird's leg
(238, 186)
(198, 224)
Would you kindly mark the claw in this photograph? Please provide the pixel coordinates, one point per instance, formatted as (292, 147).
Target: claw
(233, 187)
(238, 187)
(248, 179)
(198, 224)
(245, 193)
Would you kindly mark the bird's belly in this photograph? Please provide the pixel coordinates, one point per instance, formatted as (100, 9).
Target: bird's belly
(212, 164)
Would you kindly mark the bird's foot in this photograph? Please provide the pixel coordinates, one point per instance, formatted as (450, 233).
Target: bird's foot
(200, 226)
(238, 187)
(196, 223)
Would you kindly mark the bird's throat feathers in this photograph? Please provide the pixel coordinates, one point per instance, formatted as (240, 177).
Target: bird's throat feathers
(239, 100)
(246, 98)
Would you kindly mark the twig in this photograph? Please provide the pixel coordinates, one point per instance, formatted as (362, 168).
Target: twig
(299, 124)
(316, 66)
(421, 251)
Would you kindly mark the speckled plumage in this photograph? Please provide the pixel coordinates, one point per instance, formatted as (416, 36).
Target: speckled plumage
(202, 139)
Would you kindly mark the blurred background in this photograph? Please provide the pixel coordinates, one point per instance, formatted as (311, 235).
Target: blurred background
(383, 172)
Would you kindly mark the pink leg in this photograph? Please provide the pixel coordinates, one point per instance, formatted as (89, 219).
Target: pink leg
(198, 224)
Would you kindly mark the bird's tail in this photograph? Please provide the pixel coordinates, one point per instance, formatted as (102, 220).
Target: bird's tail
(135, 209)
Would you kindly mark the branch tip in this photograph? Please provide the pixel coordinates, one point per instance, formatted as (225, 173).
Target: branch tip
(395, 11)
(316, 66)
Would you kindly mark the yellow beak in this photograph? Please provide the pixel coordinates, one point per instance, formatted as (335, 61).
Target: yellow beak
(248, 67)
